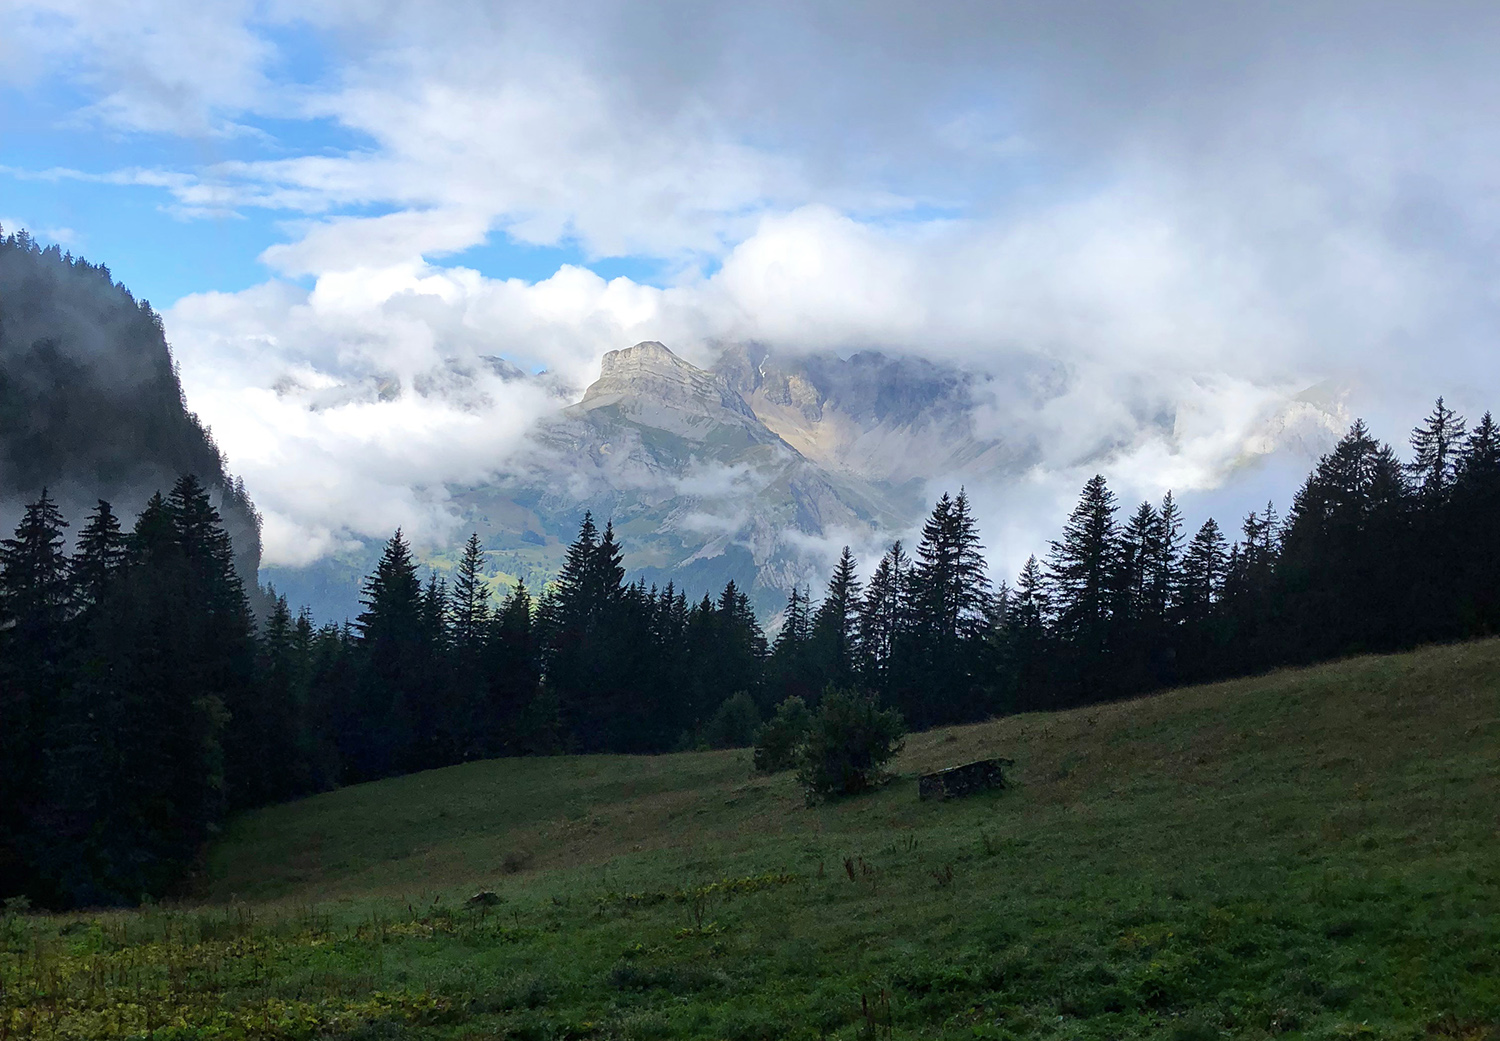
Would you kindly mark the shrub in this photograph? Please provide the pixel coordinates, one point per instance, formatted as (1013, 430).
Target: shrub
(734, 724)
(848, 743)
(778, 742)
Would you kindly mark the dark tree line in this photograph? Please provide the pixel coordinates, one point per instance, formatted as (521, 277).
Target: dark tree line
(140, 702)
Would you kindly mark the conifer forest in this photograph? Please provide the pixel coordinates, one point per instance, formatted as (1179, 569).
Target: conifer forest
(144, 701)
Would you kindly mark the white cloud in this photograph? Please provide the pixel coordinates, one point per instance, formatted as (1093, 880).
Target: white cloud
(1190, 214)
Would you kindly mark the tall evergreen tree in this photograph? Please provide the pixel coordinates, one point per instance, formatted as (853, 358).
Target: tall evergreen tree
(1475, 533)
(951, 601)
(470, 610)
(1436, 444)
(834, 647)
(1082, 573)
(885, 622)
(34, 605)
(98, 556)
(513, 675)
(391, 677)
(789, 669)
(1029, 644)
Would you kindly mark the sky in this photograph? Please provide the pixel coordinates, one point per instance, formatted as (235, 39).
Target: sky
(1192, 211)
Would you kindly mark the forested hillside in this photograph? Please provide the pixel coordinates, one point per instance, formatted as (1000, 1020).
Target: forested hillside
(90, 403)
(141, 704)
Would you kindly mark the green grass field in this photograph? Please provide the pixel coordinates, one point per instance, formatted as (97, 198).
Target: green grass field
(1308, 854)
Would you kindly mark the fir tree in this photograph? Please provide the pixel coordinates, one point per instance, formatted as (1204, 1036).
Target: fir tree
(1082, 573)
(834, 645)
(391, 677)
(789, 668)
(1435, 447)
(885, 620)
(98, 556)
(34, 604)
(470, 610)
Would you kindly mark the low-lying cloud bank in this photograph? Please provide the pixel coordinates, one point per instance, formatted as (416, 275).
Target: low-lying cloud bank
(1105, 345)
(1151, 231)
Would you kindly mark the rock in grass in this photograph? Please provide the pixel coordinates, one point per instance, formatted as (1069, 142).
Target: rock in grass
(978, 776)
(484, 898)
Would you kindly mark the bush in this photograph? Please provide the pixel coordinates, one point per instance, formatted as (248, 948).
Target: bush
(779, 741)
(848, 744)
(734, 724)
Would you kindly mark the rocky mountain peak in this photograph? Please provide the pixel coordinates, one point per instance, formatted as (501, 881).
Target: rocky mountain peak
(648, 378)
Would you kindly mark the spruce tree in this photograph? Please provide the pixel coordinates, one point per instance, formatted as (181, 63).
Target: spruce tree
(469, 612)
(885, 621)
(789, 669)
(35, 597)
(1436, 444)
(951, 601)
(512, 677)
(380, 731)
(1082, 573)
(98, 556)
(1475, 530)
(834, 647)
(1028, 645)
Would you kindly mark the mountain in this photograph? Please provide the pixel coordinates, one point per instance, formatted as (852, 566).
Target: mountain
(700, 490)
(90, 403)
(758, 468)
(891, 420)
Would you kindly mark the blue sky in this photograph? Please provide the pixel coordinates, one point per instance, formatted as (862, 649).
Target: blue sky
(1187, 210)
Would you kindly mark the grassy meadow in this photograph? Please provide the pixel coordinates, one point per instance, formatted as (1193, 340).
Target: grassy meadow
(1313, 853)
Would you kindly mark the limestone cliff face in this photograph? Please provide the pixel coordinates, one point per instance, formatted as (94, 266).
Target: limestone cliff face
(700, 490)
(886, 420)
(650, 385)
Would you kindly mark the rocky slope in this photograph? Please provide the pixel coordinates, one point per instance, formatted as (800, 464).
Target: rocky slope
(699, 488)
(878, 418)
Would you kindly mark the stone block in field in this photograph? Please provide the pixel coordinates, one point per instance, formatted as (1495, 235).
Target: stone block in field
(978, 776)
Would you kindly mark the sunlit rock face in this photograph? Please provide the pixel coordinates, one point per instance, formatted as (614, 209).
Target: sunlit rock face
(699, 489)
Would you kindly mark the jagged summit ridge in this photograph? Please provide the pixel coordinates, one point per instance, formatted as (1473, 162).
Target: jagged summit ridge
(649, 385)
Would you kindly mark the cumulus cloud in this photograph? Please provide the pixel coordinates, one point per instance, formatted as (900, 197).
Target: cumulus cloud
(1152, 228)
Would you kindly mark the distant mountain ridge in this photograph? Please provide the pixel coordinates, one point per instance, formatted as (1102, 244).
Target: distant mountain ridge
(700, 490)
(757, 468)
(880, 418)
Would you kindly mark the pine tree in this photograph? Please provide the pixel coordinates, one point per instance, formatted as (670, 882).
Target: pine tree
(470, 609)
(1082, 573)
(98, 556)
(789, 670)
(1164, 573)
(949, 580)
(34, 604)
(390, 628)
(834, 645)
(1346, 553)
(1202, 572)
(1474, 530)
(951, 603)
(1029, 646)
(885, 621)
(34, 588)
(1435, 452)
(585, 644)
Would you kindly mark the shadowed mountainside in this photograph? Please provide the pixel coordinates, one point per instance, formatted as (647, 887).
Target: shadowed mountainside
(90, 403)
